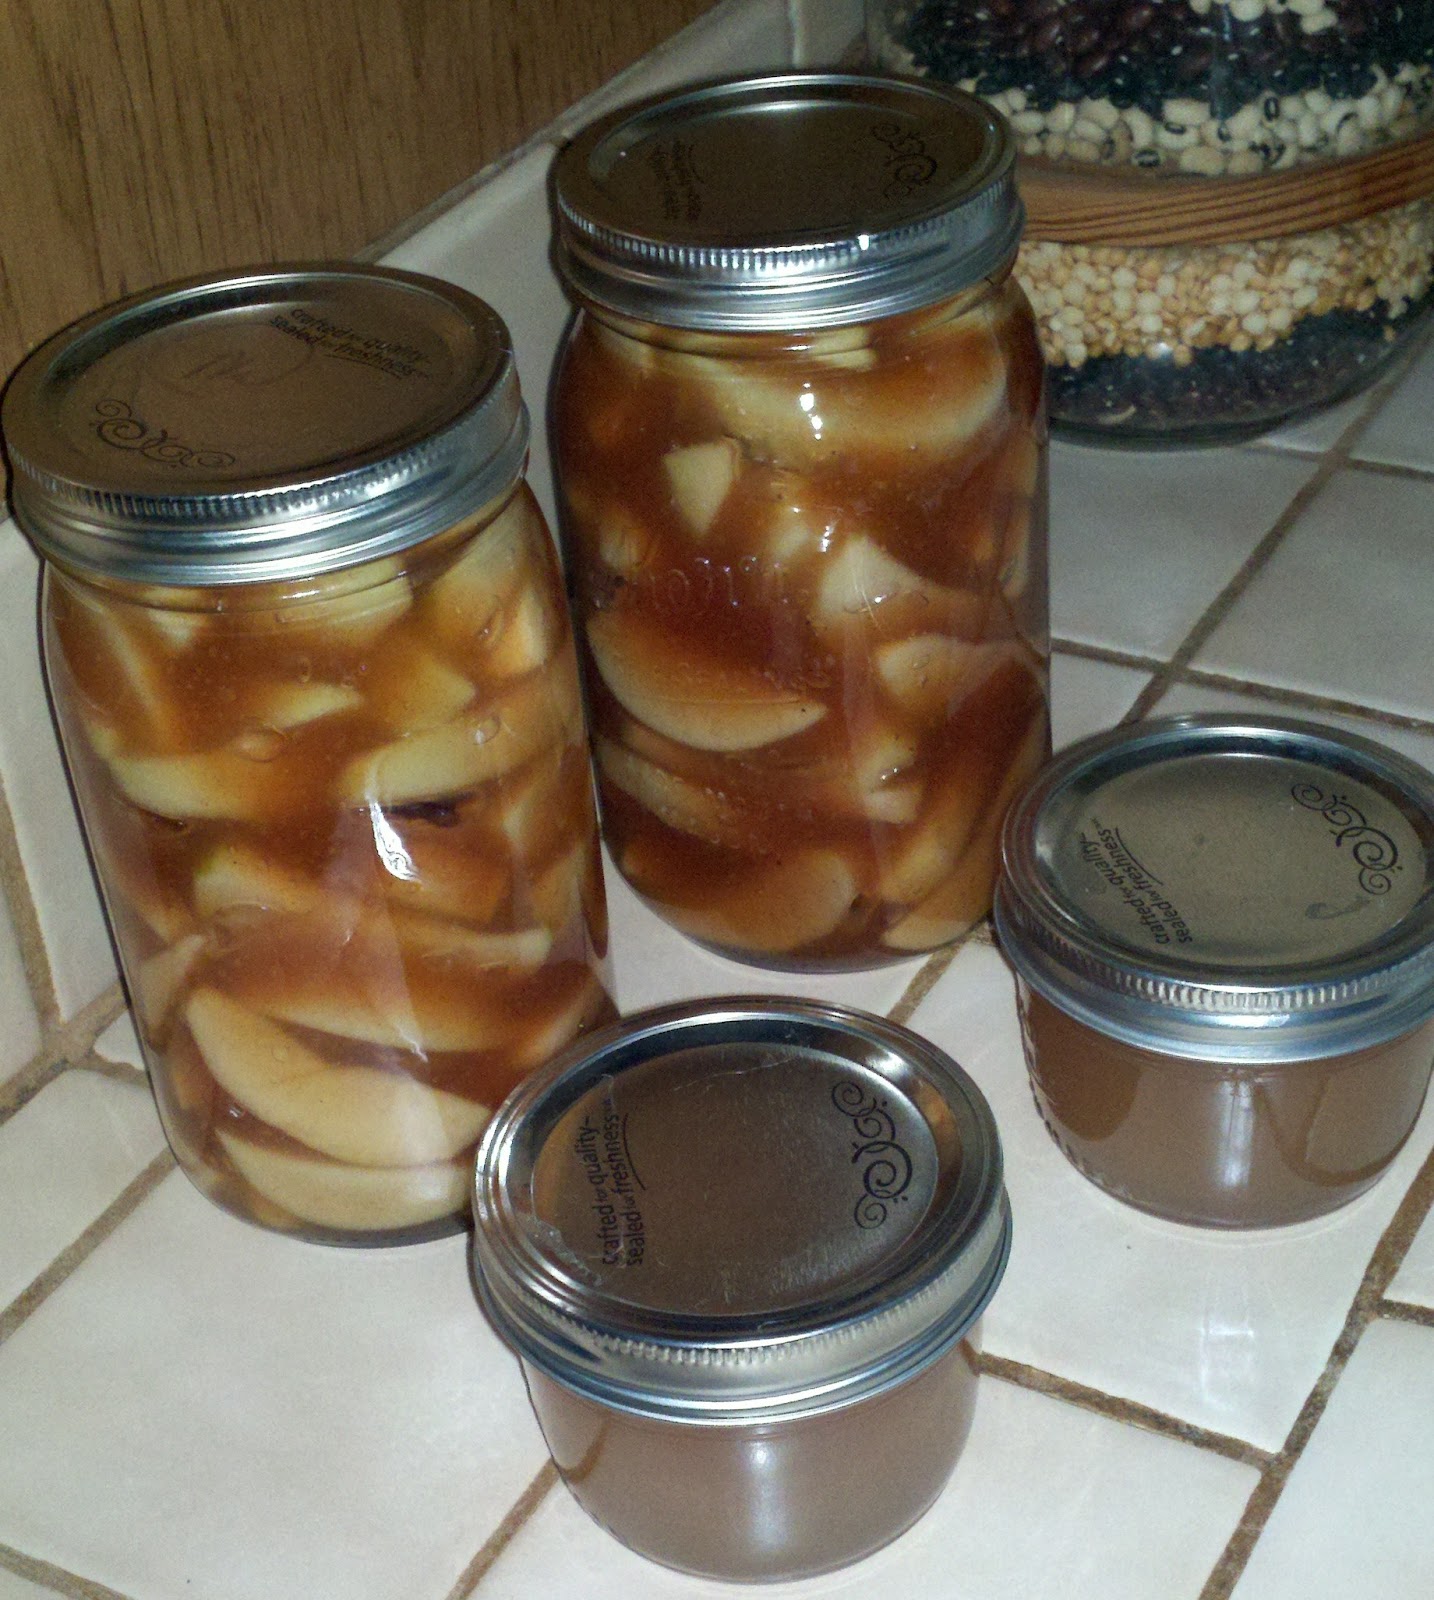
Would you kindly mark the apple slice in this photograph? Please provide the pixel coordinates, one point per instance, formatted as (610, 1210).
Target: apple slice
(707, 704)
(700, 477)
(452, 944)
(349, 1198)
(287, 705)
(525, 637)
(160, 979)
(932, 399)
(928, 673)
(700, 809)
(485, 743)
(465, 599)
(586, 1006)
(236, 876)
(355, 1113)
(863, 577)
(411, 690)
(776, 906)
(352, 607)
(217, 785)
(964, 897)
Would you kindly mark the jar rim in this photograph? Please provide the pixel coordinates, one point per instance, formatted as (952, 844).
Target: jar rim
(266, 424)
(1102, 869)
(876, 195)
(815, 1314)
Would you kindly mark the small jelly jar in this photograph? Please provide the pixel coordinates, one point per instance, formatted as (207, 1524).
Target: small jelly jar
(741, 1247)
(314, 675)
(799, 434)
(1223, 935)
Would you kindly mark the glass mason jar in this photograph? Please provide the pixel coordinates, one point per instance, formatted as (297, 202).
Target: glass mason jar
(1256, 109)
(313, 672)
(799, 438)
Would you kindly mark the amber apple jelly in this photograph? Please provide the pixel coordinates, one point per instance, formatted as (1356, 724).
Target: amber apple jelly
(742, 1247)
(1223, 935)
(800, 442)
(313, 671)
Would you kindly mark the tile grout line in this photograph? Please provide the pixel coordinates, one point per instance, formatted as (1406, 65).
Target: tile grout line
(66, 1045)
(1368, 1305)
(1405, 1311)
(29, 934)
(1134, 1413)
(1328, 465)
(68, 1584)
(502, 1536)
(30, 1299)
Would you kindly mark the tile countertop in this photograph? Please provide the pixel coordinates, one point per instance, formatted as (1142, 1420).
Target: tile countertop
(192, 1407)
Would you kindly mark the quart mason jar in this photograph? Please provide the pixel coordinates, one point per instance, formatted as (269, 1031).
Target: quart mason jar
(800, 443)
(314, 676)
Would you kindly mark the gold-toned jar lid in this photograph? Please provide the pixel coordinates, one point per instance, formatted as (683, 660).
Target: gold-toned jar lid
(1239, 889)
(270, 424)
(792, 200)
(740, 1208)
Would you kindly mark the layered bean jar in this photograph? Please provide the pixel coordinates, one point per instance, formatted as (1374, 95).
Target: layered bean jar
(314, 676)
(1192, 339)
(800, 443)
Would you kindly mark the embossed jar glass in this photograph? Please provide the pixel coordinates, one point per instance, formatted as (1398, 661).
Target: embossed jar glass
(800, 441)
(315, 679)
(1223, 933)
(741, 1247)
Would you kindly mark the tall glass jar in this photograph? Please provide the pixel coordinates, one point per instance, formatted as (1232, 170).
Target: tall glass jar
(800, 442)
(314, 676)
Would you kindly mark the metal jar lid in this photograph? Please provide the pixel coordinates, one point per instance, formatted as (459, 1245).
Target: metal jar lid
(1227, 888)
(271, 424)
(740, 1208)
(796, 200)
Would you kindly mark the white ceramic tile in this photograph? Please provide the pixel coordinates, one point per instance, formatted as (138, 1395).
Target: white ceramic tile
(494, 243)
(120, 1043)
(64, 1156)
(1089, 696)
(653, 964)
(1195, 697)
(1048, 1502)
(1400, 434)
(1354, 1517)
(46, 829)
(207, 1409)
(1413, 1284)
(1345, 606)
(14, 1587)
(1142, 543)
(20, 1036)
(824, 32)
(1228, 1330)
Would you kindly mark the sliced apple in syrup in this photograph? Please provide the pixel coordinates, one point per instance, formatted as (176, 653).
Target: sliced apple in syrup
(355, 1113)
(695, 699)
(336, 1195)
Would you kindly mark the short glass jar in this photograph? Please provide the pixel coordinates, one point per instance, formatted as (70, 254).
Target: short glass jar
(800, 441)
(312, 666)
(1223, 935)
(741, 1247)
(1285, 250)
